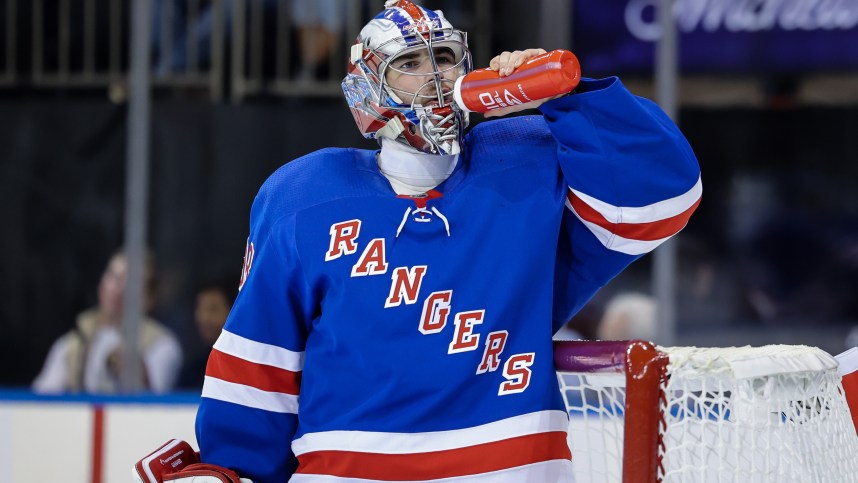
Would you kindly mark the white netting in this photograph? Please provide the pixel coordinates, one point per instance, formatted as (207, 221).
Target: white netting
(769, 414)
(595, 405)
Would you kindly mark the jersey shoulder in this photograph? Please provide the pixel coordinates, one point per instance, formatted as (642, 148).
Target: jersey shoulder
(318, 177)
(512, 138)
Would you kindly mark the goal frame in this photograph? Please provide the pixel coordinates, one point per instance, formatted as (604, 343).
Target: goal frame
(645, 370)
(688, 412)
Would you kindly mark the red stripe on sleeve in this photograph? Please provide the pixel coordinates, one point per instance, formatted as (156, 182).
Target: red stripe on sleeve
(264, 377)
(655, 230)
(482, 458)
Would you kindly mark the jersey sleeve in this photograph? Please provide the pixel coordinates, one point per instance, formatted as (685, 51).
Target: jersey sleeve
(249, 408)
(633, 182)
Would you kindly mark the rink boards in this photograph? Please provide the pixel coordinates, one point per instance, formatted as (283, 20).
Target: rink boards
(83, 439)
(97, 440)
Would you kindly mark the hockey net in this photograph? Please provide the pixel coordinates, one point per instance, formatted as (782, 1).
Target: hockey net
(641, 414)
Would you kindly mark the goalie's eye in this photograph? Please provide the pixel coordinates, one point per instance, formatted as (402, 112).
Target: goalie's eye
(409, 65)
(418, 60)
(444, 56)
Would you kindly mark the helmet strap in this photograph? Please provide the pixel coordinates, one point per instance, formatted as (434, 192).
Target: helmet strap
(392, 129)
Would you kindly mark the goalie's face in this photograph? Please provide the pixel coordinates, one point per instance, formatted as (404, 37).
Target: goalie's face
(417, 77)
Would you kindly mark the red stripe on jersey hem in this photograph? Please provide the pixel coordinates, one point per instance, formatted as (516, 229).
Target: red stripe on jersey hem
(261, 376)
(471, 460)
(652, 231)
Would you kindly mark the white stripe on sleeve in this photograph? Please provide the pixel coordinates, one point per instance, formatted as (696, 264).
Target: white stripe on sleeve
(249, 396)
(644, 214)
(258, 352)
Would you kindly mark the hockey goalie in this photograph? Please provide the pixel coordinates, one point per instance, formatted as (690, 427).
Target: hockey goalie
(397, 305)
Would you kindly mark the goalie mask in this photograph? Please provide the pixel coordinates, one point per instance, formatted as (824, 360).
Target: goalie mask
(400, 78)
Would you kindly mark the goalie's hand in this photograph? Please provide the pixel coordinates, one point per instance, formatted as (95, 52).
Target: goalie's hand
(505, 64)
(177, 462)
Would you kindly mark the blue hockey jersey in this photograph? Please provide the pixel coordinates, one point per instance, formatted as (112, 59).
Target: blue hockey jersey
(379, 337)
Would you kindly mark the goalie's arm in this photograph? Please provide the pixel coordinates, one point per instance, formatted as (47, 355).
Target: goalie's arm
(633, 182)
(248, 413)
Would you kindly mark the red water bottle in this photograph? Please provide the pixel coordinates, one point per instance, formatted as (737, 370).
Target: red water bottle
(550, 74)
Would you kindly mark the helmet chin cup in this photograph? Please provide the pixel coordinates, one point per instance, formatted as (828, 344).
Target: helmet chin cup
(442, 127)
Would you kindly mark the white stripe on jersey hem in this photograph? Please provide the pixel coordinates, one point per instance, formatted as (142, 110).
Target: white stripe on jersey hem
(644, 214)
(409, 443)
(614, 242)
(554, 471)
(258, 352)
(251, 397)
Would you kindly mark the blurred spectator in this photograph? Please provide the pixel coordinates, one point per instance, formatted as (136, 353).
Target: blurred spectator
(318, 24)
(171, 19)
(88, 358)
(213, 303)
(629, 315)
(583, 325)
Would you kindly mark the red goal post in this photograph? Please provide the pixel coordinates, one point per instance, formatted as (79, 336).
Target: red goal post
(642, 414)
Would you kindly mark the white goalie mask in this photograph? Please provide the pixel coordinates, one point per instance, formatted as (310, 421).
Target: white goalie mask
(400, 78)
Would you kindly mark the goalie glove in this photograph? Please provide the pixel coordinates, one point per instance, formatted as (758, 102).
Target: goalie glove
(176, 462)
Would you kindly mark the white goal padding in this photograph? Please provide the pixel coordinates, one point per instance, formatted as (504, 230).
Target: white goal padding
(751, 414)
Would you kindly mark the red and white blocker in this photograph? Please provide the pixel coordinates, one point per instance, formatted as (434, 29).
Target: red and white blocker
(177, 462)
(530, 447)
